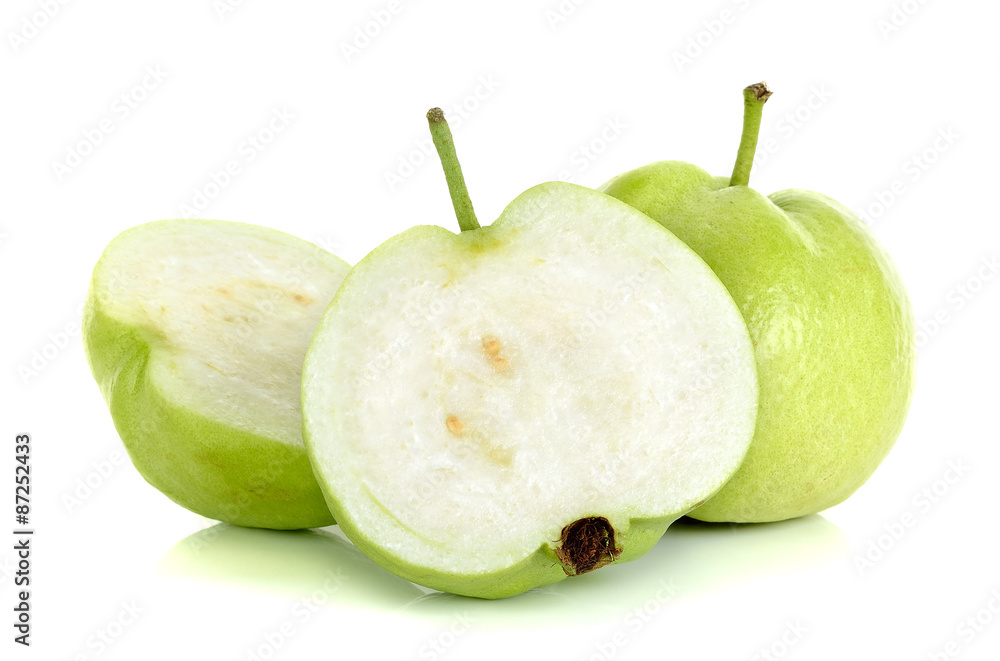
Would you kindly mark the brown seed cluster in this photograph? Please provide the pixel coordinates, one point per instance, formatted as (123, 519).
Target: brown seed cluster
(587, 544)
(491, 349)
(491, 346)
(454, 425)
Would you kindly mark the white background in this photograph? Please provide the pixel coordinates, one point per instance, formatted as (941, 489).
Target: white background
(601, 90)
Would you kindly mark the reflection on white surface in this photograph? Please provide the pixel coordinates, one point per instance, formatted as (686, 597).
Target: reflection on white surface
(692, 559)
(314, 565)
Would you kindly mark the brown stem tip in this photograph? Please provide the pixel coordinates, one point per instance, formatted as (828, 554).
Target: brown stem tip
(760, 91)
(587, 544)
(435, 115)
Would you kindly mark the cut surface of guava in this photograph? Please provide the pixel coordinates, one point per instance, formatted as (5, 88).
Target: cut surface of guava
(511, 401)
(196, 331)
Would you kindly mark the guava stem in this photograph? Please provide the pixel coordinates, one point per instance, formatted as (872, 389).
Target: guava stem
(445, 146)
(754, 97)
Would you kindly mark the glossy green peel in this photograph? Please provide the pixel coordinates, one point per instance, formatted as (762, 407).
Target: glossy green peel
(195, 331)
(829, 317)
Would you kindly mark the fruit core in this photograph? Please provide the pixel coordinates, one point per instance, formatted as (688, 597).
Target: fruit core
(587, 544)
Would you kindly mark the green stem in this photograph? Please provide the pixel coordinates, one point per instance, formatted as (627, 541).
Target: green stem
(445, 146)
(754, 98)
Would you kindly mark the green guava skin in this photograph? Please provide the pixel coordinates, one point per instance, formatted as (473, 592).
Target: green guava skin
(831, 325)
(540, 568)
(209, 467)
